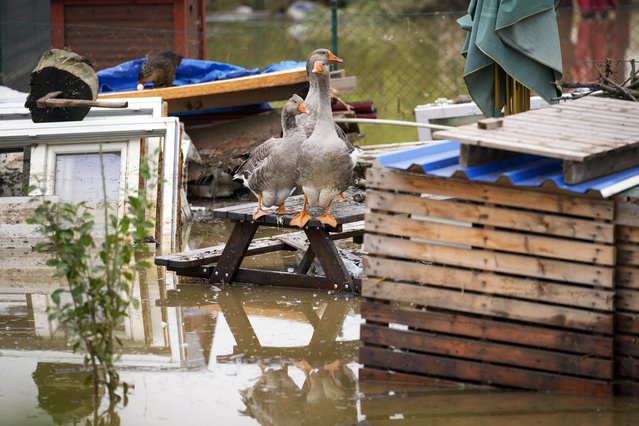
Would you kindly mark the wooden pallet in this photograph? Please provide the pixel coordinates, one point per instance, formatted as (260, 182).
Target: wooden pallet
(487, 284)
(594, 136)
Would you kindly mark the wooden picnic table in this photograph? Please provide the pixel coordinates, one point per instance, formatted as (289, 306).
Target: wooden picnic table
(316, 239)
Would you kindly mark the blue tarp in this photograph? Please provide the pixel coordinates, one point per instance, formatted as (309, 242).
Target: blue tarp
(124, 77)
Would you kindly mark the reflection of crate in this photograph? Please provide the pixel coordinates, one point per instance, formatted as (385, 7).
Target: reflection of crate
(522, 299)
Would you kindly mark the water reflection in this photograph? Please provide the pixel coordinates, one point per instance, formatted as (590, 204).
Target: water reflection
(297, 339)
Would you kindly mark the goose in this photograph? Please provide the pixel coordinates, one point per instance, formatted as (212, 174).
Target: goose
(270, 171)
(312, 100)
(324, 163)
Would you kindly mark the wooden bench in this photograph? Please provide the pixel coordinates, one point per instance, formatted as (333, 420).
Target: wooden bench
(221, 264)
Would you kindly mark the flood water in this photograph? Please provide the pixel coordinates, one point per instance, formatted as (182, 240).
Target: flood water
(240, 355)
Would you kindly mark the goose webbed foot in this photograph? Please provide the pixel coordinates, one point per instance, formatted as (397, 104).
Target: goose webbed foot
(259, 211)
(302, 217)
(283, 210)
(341, 197)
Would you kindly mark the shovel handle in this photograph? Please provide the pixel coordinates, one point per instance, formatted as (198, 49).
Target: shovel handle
(50, 100)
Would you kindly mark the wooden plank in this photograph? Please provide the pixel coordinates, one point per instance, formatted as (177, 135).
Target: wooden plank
(483, 328)
(237, 91)
(380, 178)
(627, 345)
(491, 139)
(491, 261)
(627, 367)
(611, 162)
(376, 375)
(495, 216)
(496, 353)
(627, 300)
(513, 242)
(627, 277)
(489, 283)
(498, 307)
(480, 372)
(627, 255)
(629, 234)
(574, 121)
(626, 323)
(470, 155)
(203, 256)
(626, 213)
(626, 387)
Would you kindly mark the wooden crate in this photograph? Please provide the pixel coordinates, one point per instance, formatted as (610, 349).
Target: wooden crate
(627, 300)
(487, 284)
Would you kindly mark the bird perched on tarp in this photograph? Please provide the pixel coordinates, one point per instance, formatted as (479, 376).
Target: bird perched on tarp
(271, 171)
(160, 69)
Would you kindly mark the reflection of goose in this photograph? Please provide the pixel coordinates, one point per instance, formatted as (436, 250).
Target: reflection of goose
(324, 163)
(274, 399)
(270, 171)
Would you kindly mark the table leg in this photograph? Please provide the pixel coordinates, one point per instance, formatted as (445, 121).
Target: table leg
(234, 251)
(306, 262)
(324, 248)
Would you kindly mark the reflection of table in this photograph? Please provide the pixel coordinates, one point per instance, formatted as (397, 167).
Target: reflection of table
(240, 244)
(326, 313)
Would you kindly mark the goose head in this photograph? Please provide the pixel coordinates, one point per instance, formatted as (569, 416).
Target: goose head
(295, 106)
(321, 55)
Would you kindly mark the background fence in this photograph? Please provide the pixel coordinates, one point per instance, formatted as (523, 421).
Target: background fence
(400, 60)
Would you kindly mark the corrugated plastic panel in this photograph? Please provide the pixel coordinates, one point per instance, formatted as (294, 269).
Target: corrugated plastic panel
(442, 159)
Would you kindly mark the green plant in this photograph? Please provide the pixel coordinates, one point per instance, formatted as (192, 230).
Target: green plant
(99, 273)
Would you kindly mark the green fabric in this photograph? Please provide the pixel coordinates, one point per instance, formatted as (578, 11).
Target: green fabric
(519, 35)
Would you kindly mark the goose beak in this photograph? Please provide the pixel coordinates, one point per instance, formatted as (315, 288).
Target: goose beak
(334, 59)
(302, 108)
(318, 68)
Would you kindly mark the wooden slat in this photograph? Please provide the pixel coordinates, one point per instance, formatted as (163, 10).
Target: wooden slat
(626, 213)
(626, 323)
(627, 277)
(627, 367)
(393, 180)
(495, 306)
(491, 261)
(489, 283)
(496, 353)
(566, 121)
(598, 166)
(495, 216)
(629, 234)
(376, 375)
(524, 145)
(627, 345)
(491, 239)
(479, 372)
(483, 328)
(628, 255)
(628, 300)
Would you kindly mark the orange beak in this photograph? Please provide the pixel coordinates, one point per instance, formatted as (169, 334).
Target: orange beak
(334, 59)
(318, 68)
(302, 108)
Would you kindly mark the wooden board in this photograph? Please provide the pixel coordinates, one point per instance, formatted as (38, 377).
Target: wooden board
(279, 85)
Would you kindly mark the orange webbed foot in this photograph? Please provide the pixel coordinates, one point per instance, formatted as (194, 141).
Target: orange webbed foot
(259, 213)
(283, 210)
(301, 219)
(327, 219)
(341, 197)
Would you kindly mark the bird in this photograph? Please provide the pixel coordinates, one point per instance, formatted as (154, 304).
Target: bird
(160, 69)
(270, 171)
(325, 168)
(312, 99)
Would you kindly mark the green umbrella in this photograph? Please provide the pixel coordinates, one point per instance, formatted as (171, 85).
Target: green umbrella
(512, 47)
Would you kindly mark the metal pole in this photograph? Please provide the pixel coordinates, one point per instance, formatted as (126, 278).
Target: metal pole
(334, 30)
(392, 123)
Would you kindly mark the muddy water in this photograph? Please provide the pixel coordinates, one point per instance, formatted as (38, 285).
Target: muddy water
(241, 355)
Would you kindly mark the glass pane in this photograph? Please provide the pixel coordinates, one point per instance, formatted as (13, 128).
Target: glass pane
(78, 177)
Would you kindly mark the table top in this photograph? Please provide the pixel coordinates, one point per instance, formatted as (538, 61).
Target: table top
(344, 212)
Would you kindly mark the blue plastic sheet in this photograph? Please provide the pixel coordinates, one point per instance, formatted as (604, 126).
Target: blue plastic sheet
(124, 77)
